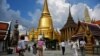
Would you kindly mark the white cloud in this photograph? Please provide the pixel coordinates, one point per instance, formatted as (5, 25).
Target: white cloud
(77, 11)
(59, 10)
(96, 12)
(35, 17)
(22, 30)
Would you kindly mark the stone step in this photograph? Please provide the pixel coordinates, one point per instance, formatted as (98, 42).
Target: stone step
(89, 52)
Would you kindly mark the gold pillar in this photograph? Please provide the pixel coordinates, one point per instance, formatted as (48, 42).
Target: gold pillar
(70, 33)
(65, 34)
(62, 36)
(73, 31)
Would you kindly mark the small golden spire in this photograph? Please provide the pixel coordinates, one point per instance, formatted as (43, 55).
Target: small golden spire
(86, 12)
(86, 15)
(45, 8)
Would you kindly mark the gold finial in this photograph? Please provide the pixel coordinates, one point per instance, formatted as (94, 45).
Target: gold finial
(45, 8)
(86, 12)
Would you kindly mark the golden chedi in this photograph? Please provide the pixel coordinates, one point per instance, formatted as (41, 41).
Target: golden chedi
(45, 26)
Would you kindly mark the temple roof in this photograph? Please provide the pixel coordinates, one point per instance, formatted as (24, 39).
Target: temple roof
(94, 28)
(70, 22)
(79, 34)
(4, 26)
(97, 22)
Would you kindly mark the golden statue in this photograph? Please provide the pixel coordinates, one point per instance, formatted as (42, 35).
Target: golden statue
(89, 44)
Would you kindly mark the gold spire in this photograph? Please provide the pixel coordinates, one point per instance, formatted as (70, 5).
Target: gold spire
(45, 9)
(45, 26)
(45, 20)
(86, 15)
(45, 23)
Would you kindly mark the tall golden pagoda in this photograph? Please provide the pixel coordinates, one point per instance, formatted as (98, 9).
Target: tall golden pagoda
(45, 26)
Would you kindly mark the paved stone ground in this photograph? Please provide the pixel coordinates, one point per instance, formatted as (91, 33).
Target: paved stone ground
(68, 52)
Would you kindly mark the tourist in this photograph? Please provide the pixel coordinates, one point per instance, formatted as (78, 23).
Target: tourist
(40, 47)
(63, 47)
(74, 46)
(82, 47)
(21, 46)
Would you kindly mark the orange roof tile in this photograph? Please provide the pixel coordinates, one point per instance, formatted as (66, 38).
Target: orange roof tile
(3, 26)
(3, 30)
(97, 22)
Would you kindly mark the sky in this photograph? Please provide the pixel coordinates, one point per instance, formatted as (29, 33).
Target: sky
(28, 12)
